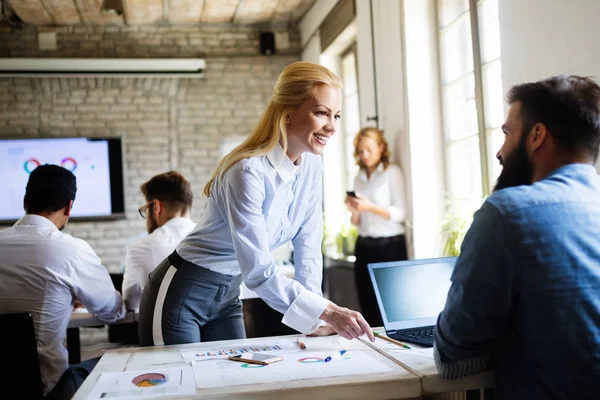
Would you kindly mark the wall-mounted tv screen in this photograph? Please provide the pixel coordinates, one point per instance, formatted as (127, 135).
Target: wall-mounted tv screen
(96, 162)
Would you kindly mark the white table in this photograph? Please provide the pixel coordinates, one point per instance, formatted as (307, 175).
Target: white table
(398, 383)
(80, 319)
(423, 366)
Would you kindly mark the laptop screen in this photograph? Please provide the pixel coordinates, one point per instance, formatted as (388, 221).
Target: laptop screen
(411, 294)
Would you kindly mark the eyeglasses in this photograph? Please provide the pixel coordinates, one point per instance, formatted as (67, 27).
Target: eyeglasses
(144, 209)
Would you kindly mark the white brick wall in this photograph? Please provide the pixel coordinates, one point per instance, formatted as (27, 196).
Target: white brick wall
(166, 123)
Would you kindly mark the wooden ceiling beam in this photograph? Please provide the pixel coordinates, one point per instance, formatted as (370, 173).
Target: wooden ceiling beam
(254, 11)
(89, 10)
(185, 11)
(32, 12)
(143, 12)
(62, 12)
(219, 11)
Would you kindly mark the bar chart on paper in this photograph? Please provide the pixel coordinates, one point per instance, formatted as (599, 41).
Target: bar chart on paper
(207, 354)
(294, 366)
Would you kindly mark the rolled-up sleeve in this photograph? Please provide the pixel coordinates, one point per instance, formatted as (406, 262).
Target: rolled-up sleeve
(479, 303)
(397, 209)
(243, 196)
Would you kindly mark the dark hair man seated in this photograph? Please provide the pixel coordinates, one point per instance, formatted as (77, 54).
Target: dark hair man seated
(168, 198)
(525, 295)
(43, 271)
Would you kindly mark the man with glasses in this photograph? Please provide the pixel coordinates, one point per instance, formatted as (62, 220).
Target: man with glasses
(167, 213)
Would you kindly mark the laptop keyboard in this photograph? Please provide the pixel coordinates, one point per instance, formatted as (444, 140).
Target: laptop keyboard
(420, 334)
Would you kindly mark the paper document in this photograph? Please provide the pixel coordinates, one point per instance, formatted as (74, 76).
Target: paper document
(296, 365)
(224, 352)
(148, 384)
(414, 350)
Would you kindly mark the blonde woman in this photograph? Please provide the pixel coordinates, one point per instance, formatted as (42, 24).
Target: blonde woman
(378, 211)
(263, 194)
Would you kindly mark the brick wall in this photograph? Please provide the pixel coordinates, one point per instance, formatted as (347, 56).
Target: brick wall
(165, 123)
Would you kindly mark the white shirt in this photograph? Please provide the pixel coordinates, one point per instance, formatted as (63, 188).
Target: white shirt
(385, 188)
(260, 204)
(42, 270)
(147, 253)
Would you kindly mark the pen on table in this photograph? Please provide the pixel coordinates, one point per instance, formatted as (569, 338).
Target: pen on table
(387, 339)
(336, 355)
(301, 344)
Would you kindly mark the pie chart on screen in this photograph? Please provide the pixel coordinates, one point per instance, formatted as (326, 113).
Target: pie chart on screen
(69, 163)
(31, 164)
(149, 380)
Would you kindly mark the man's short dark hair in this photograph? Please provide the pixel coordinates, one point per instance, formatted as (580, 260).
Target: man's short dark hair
(171, 188)
(568, 105)
(49, 188)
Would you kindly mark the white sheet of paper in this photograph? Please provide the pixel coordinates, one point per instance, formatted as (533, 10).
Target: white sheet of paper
(295, 366)
(147, 384)
(417, 351)
(224, 352)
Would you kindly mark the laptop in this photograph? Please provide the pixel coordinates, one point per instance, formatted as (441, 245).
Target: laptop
(411, 294)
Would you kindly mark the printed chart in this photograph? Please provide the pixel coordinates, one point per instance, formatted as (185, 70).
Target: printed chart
(165, 382)
(207, 354)
(295, 366)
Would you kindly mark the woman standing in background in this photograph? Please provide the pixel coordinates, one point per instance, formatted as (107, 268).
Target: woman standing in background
(378, 211)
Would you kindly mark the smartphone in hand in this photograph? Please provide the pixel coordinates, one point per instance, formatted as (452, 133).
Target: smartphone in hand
(256, 358)
(351, 194)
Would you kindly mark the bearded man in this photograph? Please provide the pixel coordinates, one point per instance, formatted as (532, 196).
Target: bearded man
(525, 294)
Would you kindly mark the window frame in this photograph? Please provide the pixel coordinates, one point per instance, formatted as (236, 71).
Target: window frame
(483, 131)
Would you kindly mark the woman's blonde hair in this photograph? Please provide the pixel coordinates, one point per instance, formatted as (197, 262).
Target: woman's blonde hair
(295, 85)
(377, 136)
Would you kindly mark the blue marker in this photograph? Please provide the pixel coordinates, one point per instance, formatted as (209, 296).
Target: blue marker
(336, 355)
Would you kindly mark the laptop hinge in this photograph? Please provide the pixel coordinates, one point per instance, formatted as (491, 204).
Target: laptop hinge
(391, 332)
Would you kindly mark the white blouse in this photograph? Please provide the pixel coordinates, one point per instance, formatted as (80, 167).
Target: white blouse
(385, 188)
(260, 204)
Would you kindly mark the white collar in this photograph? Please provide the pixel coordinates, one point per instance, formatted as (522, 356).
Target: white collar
(36, 220)
(282, 163)
(363, 171)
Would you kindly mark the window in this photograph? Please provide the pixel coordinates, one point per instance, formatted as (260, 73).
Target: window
(472, 99)
(351, 113)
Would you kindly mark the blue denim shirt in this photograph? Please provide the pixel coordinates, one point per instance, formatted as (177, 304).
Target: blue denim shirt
(525, 295)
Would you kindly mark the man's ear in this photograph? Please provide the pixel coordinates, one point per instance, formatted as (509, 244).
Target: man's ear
(537, 136)
(158, 207)
(68, 209)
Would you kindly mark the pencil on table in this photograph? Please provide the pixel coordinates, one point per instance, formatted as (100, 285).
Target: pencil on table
(301, 344)
(388, 339)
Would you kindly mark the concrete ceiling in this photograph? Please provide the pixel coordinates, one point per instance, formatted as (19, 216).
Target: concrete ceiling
(148, 12)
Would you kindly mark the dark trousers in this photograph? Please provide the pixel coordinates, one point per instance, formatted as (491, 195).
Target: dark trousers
(371, 250)
(71, 380)
(186, 303)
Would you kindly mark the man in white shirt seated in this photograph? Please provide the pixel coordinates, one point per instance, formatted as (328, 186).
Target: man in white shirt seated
(43, 271)
(168, 199)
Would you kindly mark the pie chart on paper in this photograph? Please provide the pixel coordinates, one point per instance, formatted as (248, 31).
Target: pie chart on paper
(149, 380)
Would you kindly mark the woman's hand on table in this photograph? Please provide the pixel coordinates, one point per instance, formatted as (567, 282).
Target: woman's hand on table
(347, 323)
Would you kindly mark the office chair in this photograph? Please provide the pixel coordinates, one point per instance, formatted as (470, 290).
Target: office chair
(122, 333)
(21, 366)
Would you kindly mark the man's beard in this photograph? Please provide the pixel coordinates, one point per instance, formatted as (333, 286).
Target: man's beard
(152, 225)
(517, 168)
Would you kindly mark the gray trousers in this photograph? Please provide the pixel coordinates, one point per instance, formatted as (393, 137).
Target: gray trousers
(186, 303)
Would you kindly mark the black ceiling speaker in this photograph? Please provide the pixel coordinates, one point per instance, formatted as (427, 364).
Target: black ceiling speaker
(267, 43)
